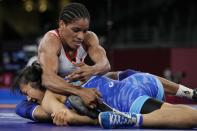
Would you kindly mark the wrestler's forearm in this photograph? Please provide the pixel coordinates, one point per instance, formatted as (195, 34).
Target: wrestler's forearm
(58, 85)
(101, 68)
(51, 102)
(77, 119)
(98, 56)
(102, 64)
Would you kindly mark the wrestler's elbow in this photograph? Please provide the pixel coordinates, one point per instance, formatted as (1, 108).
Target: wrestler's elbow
(108, 67)
(104, 69)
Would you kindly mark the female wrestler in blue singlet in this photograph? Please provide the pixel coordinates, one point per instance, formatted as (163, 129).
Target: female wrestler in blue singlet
(128, 94)
(120, 94)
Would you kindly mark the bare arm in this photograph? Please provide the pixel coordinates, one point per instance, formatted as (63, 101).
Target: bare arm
(48, 52)
(97, 54)
(54, 105)
(60, 114)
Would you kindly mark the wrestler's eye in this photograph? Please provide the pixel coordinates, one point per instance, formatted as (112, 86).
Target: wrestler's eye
(76, 30)
(85, 31)
(34, 100)
(24, 92)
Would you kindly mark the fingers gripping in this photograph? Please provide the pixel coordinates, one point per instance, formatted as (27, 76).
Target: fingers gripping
(60, 118)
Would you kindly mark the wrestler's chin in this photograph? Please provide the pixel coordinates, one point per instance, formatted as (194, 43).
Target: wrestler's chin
(75, 46)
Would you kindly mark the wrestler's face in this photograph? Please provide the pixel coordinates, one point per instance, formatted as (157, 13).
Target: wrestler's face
(34, 95)
(73, 33)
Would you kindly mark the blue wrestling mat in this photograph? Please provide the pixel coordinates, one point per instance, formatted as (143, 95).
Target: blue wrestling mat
(7, 97)
(9, 121)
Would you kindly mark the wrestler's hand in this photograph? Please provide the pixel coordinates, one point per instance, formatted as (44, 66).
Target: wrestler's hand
(61, 117)
(83, 73)
(90, 96)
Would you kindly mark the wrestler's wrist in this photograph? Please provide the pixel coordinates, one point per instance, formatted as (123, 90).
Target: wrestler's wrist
(99, 70)
(79, 91)
(95, 70)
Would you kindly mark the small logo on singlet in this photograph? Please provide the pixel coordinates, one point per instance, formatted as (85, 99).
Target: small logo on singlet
(111, 84)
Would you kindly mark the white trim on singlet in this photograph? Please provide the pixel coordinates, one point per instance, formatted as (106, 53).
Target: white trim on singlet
(65, 64)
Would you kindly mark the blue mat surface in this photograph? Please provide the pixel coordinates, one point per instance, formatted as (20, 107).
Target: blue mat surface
(7, 97)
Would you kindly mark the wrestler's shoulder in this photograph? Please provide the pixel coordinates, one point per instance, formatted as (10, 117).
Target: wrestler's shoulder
(51, 34)
(50, 37)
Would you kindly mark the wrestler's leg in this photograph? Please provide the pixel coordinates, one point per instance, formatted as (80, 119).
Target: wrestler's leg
(173, 88)
(162, 114)
(171, 116)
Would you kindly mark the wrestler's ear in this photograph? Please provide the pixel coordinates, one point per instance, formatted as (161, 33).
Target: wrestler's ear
(62, 24)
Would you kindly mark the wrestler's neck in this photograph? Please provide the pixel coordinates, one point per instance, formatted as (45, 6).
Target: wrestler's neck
(67, 49)
(70, 52)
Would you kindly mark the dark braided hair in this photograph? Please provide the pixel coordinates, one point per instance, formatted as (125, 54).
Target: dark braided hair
(74, 11)
(32, 74)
